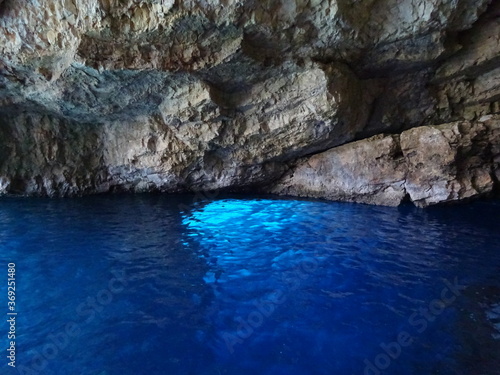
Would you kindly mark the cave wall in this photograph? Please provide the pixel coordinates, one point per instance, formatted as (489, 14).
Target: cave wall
(425, 165)
(164, 95)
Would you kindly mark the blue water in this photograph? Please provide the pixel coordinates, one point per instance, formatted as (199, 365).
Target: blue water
(175, 285)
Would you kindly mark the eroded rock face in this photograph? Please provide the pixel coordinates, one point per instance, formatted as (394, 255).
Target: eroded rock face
(143, 131)
(428, 165)
(146, 95)
(453, 161)
(369, 171)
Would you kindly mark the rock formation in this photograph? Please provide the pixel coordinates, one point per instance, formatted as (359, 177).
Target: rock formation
(428, 165)
(164, 95)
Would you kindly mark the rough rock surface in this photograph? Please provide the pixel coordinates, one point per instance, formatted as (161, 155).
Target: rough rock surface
(367, 171)
(165, 131)
(428, 165)
(168, 95)
(453, 161)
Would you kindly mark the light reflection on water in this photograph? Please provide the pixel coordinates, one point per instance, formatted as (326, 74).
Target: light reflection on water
(250, 285)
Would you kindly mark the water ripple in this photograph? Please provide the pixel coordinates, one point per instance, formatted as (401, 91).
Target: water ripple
(162, 285)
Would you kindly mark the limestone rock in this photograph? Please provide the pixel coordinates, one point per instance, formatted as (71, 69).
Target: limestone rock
(429, 165)
(467, 85)
(368, 171)
(451, 162)
(164, 95)
(147, 130)
(462, 85)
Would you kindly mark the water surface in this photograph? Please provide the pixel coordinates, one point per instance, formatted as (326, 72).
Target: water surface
(177, 285)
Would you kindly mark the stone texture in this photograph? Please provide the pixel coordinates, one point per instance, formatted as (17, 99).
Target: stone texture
(368, 171)
(467, 85)
(164, 95)
(451, 162)
(462, 84)
(144, 131)
(428, 165)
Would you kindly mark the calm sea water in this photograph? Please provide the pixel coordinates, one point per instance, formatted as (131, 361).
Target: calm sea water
(174, 285)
